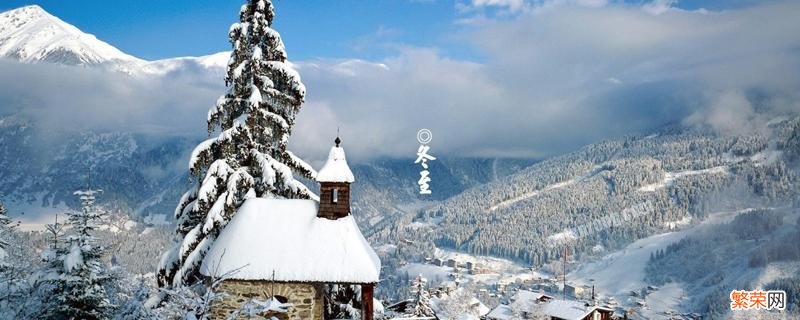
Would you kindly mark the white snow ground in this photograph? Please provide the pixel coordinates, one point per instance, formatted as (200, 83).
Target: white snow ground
(670, 177)
(496, 270)
(621, 272)
(532, 194)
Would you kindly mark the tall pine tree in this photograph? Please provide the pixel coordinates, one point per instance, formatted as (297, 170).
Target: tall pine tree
(5, 231)
(249, 157)
(78, 276)
(421, 297)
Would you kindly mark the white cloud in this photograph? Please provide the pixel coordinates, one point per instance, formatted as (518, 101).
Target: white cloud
(550, 81)
(657, 7)
(527, 6)
(730, 113)
(77, 98)
(613, 80)
(513, 5)
(545, 88)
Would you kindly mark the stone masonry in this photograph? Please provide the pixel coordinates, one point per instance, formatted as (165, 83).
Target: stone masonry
(306, 298)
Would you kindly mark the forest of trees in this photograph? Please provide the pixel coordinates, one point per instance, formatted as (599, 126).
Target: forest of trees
(722, 256)
(673, 176)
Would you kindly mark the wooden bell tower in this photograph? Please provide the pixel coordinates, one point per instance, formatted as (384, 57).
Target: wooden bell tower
(334, 179)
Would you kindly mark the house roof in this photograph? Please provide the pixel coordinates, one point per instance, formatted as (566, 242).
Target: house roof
(501, 312)
(285, 236)
(567, 309)
(525, 297)
(438, 305)
(335, 168)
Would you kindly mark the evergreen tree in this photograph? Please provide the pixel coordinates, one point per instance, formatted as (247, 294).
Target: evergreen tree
(8, 275)
(422, 299)
(342, 301)
(249, 157)
(78, 277)
(5, 231)
(20, 297)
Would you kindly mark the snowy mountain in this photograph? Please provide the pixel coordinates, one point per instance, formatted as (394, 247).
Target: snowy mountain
(38, 174)
(609, 194)
(633, 213)
(30, 34)
(386, 188)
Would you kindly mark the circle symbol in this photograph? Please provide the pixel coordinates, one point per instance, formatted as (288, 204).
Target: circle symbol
(424, 136)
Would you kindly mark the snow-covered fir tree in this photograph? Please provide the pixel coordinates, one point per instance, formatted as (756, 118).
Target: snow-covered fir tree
(77, 276)
(18, 298)
(8, 280)
(342, 301)
(5, 231)
(249, 157)
(133, 292)
(422, 298)
(457, 305)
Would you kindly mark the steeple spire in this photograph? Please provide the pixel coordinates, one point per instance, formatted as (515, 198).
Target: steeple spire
(334, 180)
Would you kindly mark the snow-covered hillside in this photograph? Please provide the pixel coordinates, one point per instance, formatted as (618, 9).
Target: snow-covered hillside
(620, 273)
(37, 173)
(30, 34)
(624, 197)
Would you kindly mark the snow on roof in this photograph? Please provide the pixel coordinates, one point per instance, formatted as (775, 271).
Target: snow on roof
(285, 236)
(501, 312)
(335, 169)
(482, 308)
(567, 309)
(526, 298)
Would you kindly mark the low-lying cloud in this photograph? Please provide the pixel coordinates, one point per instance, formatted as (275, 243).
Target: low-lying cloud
(60, 98)
(550, 80)
(561, 76)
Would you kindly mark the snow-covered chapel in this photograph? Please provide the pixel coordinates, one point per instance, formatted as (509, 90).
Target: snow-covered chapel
(290, 249)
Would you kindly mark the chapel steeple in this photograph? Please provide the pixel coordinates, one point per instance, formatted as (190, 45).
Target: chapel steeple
(334, 180)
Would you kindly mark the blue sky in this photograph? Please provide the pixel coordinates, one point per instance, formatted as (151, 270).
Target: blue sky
(311, 28)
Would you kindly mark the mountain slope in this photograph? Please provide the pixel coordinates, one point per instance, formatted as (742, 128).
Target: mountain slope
(40, 170)
(146, 175)
(30, 34)
(608, 194)
(387, 188)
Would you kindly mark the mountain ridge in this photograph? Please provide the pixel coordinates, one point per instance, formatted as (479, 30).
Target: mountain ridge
(31, 34)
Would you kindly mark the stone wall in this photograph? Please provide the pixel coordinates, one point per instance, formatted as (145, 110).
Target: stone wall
(306, 298)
